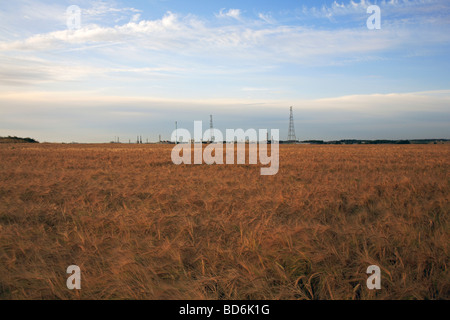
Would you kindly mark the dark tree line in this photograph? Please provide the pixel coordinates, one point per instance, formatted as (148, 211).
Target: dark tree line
(15, 139)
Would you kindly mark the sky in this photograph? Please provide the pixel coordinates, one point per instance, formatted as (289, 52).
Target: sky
(135, 67)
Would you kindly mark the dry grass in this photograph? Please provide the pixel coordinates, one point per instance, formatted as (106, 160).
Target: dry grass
(142, 228)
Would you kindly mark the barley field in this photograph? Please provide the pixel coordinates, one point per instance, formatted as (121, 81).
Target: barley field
(140, 227)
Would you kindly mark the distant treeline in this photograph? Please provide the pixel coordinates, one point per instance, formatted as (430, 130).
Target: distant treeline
(354, 141)
(10, 139)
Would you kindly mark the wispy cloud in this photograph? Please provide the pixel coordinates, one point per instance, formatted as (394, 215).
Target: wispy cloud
(173, 33)
(390, 8)
(102, 8)
(231, 13)
(267, 18)
(101, 11)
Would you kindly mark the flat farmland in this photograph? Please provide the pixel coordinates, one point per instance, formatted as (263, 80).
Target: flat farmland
(140, 227)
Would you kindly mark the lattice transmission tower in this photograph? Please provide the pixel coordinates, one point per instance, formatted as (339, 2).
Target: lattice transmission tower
(211, 129)
(291, 132)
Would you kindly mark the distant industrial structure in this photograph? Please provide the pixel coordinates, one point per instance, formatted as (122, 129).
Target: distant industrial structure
(291, 132)
(292, 138)
(138, 140)
(176, 132)
(211, 129)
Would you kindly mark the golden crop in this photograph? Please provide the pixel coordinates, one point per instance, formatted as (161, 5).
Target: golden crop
(141, 227)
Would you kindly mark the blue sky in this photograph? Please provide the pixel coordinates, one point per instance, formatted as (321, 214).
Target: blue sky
(135, 67)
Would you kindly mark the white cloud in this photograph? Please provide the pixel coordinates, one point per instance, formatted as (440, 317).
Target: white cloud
(340, 8)
(189, 35)
(101, 8)
(272, 42)
(19, 71)
(231, 13)
(267, 18)
(135, 17)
